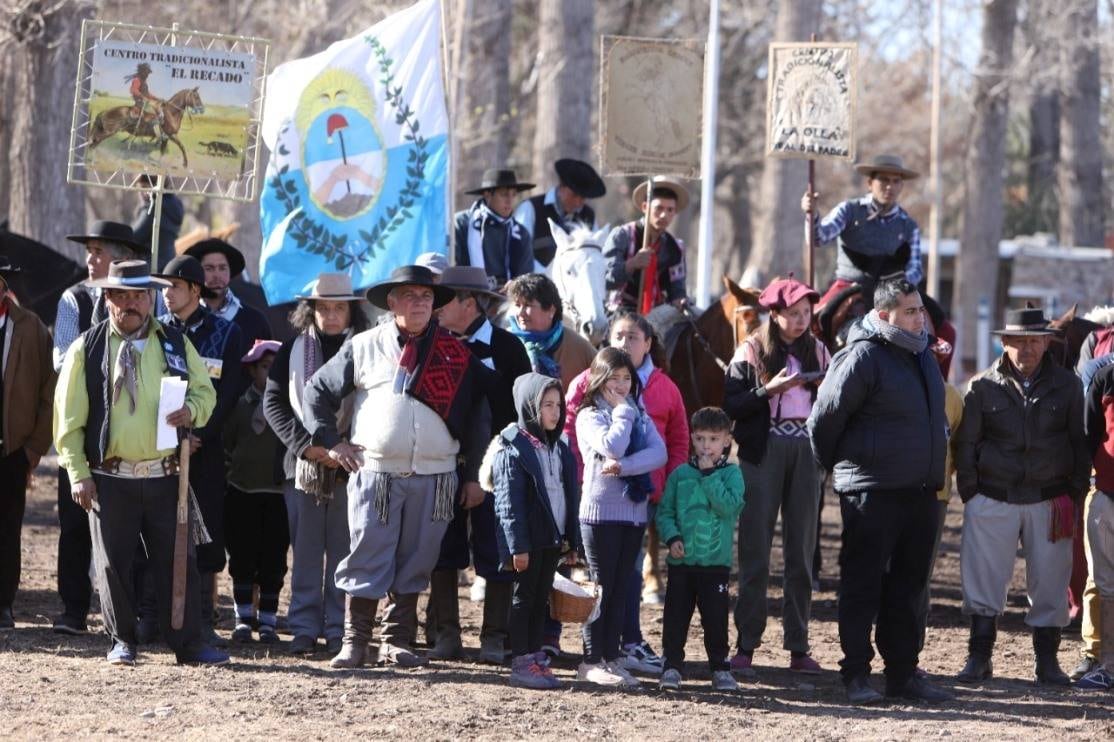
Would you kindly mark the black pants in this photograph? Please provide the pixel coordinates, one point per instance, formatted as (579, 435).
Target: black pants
(125, 510)
(884, 564)
(704, 588)
(470, 539)
(257, 535)
(75, 551)
(612, 550)
(530, 601)
(207, 478)
(13, 501)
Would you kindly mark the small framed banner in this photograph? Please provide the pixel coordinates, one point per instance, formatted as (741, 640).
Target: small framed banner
(811, 101)
(184, 104)
(651, 106)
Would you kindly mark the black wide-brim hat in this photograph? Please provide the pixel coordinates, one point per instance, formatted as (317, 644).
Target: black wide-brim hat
(1025, 323)
(129, 275)
(499, 178)
(235, 258)
(580, 177)
(107, 231)
(187, 268)
(410, 275)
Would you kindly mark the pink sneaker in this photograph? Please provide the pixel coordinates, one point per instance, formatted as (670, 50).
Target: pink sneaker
(741, 666)
(805, 665)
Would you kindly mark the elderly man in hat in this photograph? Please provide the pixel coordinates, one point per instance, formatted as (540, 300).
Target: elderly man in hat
(487, 235)
(315, 487)
(26, 390)
(1022, 466)
(220, 345)
(473, 524)
(875, 236)
(79, 308)
(222, 262)
(106, 410)
(420, 403)
(645, 271)
(566, 204)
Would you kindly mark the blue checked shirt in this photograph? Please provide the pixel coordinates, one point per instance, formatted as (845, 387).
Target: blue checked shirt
(836, 221)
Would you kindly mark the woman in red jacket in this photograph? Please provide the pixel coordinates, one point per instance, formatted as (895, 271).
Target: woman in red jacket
(661, 398)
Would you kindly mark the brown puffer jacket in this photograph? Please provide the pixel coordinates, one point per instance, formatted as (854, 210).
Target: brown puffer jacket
(1020, 449)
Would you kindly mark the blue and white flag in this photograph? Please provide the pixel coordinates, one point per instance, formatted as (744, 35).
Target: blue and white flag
(359, 156)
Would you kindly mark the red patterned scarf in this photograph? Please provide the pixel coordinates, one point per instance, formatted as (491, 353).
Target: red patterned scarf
(436, 365)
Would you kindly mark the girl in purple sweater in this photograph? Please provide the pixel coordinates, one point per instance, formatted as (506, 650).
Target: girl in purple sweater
(620, 446)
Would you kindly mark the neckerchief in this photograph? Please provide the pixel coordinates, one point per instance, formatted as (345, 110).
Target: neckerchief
(408, 361)
(127, 367)
(231, 305)
(478, 226)
(540, 347)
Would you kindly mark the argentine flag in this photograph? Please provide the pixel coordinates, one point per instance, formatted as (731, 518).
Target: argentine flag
(358, 136)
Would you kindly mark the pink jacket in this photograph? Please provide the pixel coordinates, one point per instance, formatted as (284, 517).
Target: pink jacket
(662, 400)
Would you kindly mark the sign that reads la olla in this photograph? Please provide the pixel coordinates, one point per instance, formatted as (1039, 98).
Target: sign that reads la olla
(181, 110)
(811, 100)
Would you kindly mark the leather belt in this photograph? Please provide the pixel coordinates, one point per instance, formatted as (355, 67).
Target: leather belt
(117, 467)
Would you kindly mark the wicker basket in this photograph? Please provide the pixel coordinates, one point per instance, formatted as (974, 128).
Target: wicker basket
(568, 606)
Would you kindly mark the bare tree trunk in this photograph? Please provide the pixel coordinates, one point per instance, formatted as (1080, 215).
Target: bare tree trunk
(977, 270)
(482, 115)
(566, 63)
(779, 228)
(1081, 197)
(42, 61)
(1044, 116)
(5, 136)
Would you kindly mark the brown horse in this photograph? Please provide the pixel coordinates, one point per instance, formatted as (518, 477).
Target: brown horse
(118, 119)
(1071, 331)
(706, 344)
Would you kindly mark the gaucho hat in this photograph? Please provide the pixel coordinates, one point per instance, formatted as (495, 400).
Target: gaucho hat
(410, 275)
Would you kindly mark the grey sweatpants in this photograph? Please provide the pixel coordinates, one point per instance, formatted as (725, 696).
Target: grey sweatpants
(319, 537)
(397, 556)
(787, 481)
(991, 530)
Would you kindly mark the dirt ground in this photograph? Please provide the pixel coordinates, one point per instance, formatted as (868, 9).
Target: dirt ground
(58, 687)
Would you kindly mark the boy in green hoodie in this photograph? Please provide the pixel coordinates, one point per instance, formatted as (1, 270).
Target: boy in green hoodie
(696, 519)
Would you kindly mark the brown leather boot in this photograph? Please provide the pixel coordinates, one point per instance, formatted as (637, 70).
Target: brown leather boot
(359, 616)
(496, 623)
(400, 623)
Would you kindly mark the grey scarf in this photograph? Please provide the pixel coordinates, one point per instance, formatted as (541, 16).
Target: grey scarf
(127, 366)
(895, 335)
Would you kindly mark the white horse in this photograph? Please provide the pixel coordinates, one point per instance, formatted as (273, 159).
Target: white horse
(578, 269)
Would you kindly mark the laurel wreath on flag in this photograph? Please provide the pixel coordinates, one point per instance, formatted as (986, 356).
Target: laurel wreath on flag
(315, 237)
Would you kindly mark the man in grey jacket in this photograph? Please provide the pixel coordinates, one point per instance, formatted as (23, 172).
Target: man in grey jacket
(879, 425)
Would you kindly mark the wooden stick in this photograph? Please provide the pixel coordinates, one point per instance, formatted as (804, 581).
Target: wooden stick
(810, 243)
(181, 536)
(646, 242)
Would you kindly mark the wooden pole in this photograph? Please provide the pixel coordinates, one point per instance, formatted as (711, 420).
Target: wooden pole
(156, 204)
(810, 231)
(181, 536)
(645, 241)
(935, 218)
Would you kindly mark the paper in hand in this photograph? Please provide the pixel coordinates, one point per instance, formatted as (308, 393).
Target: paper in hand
(172, 395)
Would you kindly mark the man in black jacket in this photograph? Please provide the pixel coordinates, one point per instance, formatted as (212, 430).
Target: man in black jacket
(1021, 459)
(879, 425)
(466, 317)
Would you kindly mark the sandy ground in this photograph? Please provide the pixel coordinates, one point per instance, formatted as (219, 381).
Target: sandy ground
(57, 687)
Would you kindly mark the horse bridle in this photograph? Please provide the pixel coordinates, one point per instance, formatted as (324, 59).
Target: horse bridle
(569, 307)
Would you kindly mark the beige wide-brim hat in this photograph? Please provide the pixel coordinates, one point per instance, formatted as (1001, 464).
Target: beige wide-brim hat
(661, 181)
(887, 164)
(331, 287)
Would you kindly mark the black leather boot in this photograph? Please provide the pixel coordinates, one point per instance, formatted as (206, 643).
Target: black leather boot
(1046, 643)
(984, 630)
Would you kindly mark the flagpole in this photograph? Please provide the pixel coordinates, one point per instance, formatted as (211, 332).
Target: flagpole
(448, 90)
(708, 161)
(934, 220)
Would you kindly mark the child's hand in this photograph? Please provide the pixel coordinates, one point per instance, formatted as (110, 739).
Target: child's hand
(521, 562)
(611, 396)
(677, 550)
(705, 462)
(612, 467)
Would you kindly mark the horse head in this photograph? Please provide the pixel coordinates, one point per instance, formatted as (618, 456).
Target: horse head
(579, 270)
(1071, 331)
(189, 99)
(740, 309)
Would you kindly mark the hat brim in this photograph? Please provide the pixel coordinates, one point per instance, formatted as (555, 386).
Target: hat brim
(236, 262)
(583, 181)
(340, 297)
(84, 239)
(682, 193)
(206, 292)
(1022, 333)
(866, 169)
(377, 294)
(517, 186)
(475, 290)
(150, 283)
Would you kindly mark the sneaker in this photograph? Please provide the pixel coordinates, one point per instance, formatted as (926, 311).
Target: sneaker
(805, 665)
(859, 692)
(670, 680)
(205, 655)
(542, 659)
(919, 689)
(1086, 665)
(303, 644)
(525, 673)
(122, 654)
(147, 630)
(724, 680)
(1097, 679)
(741, 665)
(242, 633)
(599, 674)
(629, 680)
(67, 624)
(267, 634)
(641, 658)
(551, 645)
